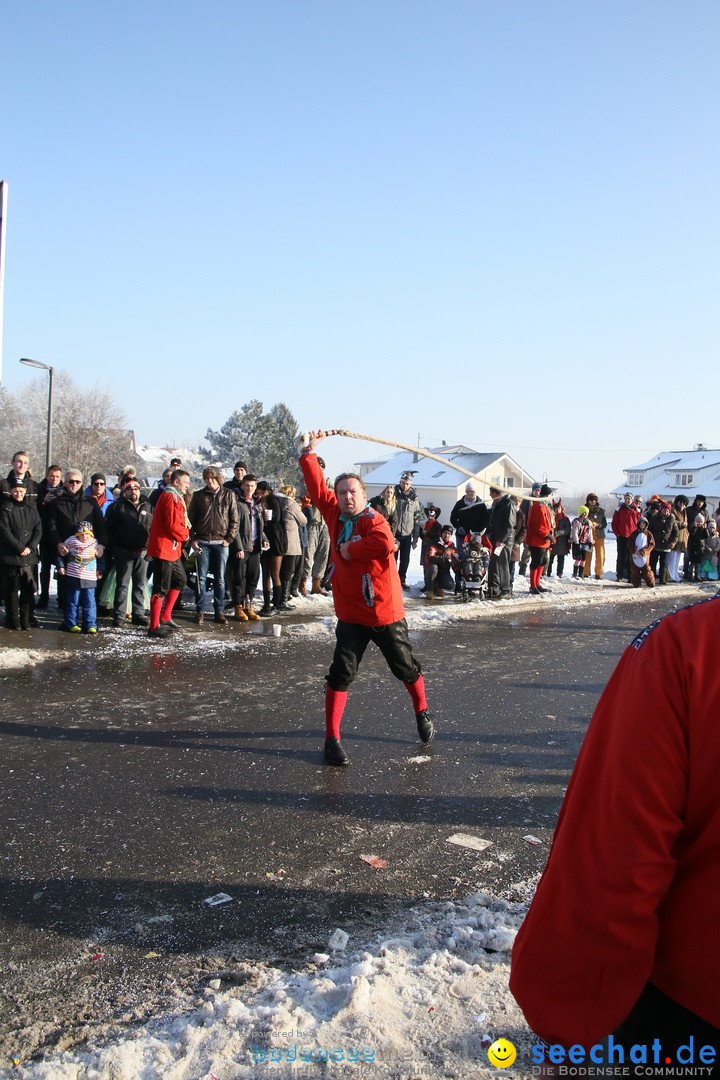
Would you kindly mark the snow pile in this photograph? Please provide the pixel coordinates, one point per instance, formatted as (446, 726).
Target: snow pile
(427, 1001)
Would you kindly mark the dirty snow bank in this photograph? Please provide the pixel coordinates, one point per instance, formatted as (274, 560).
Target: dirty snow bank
(426, 1001)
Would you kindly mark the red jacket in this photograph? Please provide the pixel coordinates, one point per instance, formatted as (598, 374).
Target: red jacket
(169, 529)
(540, 525)
(366, 587)
(631, 890)
(624, 520)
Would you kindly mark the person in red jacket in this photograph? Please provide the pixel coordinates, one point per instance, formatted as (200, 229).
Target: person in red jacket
(366, 593)
(624, 524)
(169, 531)
(622, 933)
(539, 538)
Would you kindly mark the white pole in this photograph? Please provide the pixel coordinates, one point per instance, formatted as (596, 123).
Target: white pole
(3, 225)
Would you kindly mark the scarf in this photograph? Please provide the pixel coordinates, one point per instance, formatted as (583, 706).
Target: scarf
(348, 526)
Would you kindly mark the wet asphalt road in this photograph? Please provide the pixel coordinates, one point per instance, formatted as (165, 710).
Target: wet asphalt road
(139, 781)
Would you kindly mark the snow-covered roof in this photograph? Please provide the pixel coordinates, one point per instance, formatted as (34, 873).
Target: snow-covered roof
(683, 459)
(428, 472)
(675, 472)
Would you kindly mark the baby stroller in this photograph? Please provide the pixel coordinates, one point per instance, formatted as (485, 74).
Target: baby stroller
(472, 568)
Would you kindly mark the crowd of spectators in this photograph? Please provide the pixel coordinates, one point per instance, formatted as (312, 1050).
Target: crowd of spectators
(127, 552)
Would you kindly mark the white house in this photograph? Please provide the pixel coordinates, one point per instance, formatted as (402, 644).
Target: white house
(442, 485)
(676, 472)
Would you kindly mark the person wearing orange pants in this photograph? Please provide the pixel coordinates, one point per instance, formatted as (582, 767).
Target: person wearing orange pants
(599, 525)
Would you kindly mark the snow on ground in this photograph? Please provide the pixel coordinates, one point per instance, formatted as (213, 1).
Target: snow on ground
(423, 1000)
(426, 999)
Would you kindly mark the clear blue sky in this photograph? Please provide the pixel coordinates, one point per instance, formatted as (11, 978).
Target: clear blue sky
(487, 221)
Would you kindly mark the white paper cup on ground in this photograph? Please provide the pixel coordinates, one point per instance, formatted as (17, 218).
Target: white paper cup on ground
(276, 630)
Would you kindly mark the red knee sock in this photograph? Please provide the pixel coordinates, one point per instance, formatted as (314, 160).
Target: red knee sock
(416, 690)
(334, 706)
(155, 607)
(169, 604)
(535, 577)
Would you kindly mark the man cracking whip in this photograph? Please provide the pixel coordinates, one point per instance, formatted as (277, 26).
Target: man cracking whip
(367, 596)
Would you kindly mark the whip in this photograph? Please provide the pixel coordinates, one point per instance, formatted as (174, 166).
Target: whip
(304, 441)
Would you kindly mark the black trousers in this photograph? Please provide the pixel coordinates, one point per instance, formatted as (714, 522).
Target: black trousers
(167, 576)
(657, 1016)
(352, 639)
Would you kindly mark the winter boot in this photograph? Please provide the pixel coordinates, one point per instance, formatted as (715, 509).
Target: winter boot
(279, 601)
(266, 609)
(250, 611)
(240, 615)
(317, 589)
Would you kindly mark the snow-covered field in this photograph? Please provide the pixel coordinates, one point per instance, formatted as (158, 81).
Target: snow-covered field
(423, 999)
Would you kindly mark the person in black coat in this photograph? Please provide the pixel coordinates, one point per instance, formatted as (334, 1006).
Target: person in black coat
(47, 490)
(64, 515)
(501, 533)
(20, 532)
(128, 522)
(271, 558)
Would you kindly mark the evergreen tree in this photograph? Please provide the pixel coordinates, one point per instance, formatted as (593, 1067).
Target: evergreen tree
(267, 442)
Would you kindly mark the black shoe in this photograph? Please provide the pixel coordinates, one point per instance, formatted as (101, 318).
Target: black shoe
(541, 588)
(171, 625)
(264, 611)
(33, 622)
(334, 753)
(118, 621)
(405, 586)
(425, 726)
(284, 607)
(534, 591)
(41, 603)
(162, 631)
(140, 620)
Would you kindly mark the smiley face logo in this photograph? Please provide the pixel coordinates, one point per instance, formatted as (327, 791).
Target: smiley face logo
(502, 1053)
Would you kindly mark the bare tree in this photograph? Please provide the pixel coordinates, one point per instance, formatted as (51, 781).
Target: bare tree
(90, 430)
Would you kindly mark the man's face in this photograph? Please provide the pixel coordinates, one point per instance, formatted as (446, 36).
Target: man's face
(404, 483)
(351, 496)
(132, 493)
(182, 484)
(72, 482)
(470, 493)
(212, 483)
(248, 488)
(17, 493)
(53, 478)
(20, 464)
(628, 499)
(97, 488)
(239, 472)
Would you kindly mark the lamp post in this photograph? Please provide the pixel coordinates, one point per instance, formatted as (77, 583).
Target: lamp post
(50, 371)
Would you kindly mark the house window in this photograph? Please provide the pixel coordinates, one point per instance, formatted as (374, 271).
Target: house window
(509, 481)
(636, 479)
(496, 481)
(684, 479)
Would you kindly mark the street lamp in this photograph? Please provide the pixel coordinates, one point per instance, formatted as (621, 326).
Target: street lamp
(50, 371)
